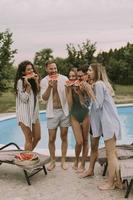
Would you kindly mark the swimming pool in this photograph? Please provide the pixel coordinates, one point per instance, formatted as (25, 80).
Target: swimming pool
(10, 131)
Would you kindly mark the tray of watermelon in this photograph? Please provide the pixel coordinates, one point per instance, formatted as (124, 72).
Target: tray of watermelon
(26, 158)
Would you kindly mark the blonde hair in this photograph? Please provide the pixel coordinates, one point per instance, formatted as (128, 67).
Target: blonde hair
(101, 74)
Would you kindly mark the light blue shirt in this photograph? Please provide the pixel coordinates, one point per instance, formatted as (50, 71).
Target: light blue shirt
(103, 114)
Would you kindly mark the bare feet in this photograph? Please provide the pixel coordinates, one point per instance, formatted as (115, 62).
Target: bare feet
(81, 169)
(75, 165)
(118, 185)
(86, 174)
(107, 186)
(64, 166)
(51, 166)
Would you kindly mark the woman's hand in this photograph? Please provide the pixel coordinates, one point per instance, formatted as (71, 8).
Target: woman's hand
(87, 86)
(81, 85)
(36, 77)
(89, 90)
(77, 90)
(68, 89)
(27, 84)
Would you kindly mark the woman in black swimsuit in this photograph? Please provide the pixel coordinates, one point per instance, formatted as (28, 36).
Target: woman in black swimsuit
(79, 117)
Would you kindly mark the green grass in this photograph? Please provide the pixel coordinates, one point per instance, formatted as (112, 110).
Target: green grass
(124, 90)
(8, 103)
(7, 100)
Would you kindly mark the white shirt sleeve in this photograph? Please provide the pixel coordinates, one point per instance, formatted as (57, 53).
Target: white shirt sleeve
(44, 86)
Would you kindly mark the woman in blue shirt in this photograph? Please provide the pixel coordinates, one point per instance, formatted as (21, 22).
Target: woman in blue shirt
(105, 122)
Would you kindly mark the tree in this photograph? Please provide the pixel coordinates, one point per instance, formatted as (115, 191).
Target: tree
(128, 56)
(40, 59)
(62, 65)
(6, 60)
(83, 54)
(119, 63)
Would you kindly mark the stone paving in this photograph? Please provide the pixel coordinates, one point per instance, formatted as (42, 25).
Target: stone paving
(57, 185)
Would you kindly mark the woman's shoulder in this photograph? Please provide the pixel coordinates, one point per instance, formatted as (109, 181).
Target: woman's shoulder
(100, 83)
(19, 82)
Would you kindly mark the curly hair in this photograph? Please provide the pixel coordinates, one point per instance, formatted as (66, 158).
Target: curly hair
(20, 73)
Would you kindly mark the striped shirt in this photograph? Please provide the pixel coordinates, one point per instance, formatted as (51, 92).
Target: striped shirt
(26, 111)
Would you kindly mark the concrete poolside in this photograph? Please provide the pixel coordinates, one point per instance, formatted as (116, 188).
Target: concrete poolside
(57, 185)
(5, 115)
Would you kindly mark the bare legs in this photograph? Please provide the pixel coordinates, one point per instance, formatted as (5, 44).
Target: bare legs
(36, 133)
(93, 157)
(81, 137)
(28, 137)
(79, 140)
(52, 138)
(85, 130)
(113, 166)
(51, 144)
(31, 137)
(64, 145)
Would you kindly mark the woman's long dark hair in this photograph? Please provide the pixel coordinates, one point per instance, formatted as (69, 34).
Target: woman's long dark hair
(20, 73)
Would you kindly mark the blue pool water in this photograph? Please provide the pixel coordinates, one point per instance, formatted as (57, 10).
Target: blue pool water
(10, 131)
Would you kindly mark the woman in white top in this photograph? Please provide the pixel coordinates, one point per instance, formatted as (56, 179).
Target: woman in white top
(27, 110)
(104, 122)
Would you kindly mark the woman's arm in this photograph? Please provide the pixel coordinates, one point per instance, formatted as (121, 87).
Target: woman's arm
(89, 90)
(69, 96)
(23, 94)
(99, 92)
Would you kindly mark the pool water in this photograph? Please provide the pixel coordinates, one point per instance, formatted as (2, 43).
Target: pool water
(126, 119)
(11, 132)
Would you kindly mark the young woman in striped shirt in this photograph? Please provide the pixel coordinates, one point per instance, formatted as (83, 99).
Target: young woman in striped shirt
(27, 109)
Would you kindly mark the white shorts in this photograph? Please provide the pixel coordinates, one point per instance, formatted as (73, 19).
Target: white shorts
(59, 119)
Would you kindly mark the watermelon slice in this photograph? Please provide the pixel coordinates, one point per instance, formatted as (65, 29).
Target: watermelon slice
(29, 74)
(70, 82)
(54, 77)
(77, 83)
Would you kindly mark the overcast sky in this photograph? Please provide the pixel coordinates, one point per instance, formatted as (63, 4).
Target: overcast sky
(38, 24)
